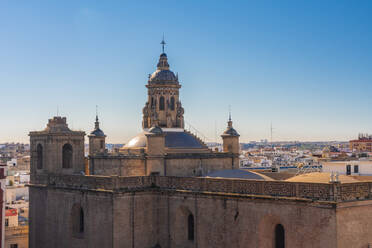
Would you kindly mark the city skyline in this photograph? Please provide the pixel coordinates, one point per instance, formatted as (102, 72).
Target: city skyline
(309, 77)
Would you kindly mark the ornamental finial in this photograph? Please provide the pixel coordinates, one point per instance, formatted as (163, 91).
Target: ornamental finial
(163, 43)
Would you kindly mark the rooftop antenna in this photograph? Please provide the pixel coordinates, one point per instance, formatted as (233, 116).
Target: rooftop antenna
(163, 43)
(57, 110)
(271, 133)
(215, 131)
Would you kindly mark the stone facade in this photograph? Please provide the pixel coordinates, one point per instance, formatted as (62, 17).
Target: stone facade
(170, 164)
(47, 147)
(227, 212)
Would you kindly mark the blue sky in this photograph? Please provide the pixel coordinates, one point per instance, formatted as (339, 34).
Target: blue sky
(305, 66)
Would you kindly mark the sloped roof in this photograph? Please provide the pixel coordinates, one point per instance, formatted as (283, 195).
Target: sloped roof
(320, 177)
(239, 174)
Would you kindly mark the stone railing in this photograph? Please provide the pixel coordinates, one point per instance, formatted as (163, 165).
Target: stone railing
(313, 191)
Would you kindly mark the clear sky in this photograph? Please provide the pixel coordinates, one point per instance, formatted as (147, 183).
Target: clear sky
(305, 66)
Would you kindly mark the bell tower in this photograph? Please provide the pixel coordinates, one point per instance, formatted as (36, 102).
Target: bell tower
(163, 107)
(57, 149)
(97, 139)
(230, 139)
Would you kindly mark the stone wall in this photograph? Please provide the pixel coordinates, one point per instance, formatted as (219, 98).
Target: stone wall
(222, 221)
(354, 224)
(117, 165)
(51, 224)
(149, 210)
(172, 164)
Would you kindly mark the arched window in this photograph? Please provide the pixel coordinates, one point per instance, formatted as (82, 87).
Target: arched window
(190, 224)
(161, 103)
(279, 236)
(77, 221)
(102, 144)
(67, 156)
(152, 102)
(39, 156)
(172, 103)
(81, 224)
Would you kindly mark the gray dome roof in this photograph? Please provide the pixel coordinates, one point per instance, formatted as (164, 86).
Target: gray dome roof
(172, 140)
(97, 132)
(163, 77)
(231, 131)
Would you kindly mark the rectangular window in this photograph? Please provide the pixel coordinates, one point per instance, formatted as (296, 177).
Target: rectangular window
(6, 222)
(348, 169)
(356, 169)
(14, 246)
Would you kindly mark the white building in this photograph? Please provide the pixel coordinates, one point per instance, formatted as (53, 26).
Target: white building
(15, 193)
(354, 168)
(12, 162)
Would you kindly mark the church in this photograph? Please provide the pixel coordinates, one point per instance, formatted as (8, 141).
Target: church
(165, 188)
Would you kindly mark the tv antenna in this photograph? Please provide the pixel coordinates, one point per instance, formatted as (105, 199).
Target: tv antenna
(271, 133)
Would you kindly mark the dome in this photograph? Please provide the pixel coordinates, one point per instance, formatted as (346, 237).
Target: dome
(173, 139)
(98, 133)
(231, 131)
(239, 174)
(163, 75)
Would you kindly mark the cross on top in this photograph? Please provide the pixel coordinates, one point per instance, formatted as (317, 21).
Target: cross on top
(163, 43)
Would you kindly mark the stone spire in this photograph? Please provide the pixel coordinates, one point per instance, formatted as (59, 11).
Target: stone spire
(96, 123)
(229, 123)
(97, 131)
(230, 131)
(97, 138)
(230, 140)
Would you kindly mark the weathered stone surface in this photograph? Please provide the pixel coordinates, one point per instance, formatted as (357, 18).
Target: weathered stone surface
(150, 210)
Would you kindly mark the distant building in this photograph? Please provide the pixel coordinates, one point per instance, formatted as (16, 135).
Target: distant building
(16, 235)
(11, 217)
(354, 168)
(362, 144)
(2, 200)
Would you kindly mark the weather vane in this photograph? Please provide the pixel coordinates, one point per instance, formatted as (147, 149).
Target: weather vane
(163, 43)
